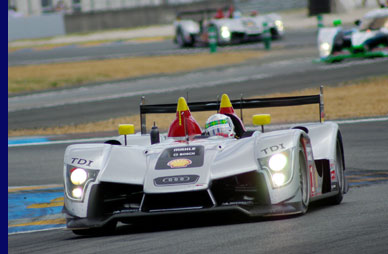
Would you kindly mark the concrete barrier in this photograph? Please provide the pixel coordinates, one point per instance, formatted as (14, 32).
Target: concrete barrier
(134, 17)
(340, 6)
(35, 26)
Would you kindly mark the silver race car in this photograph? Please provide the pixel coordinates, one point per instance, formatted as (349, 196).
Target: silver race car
(136, 177)
(192, 27)
(369, 39)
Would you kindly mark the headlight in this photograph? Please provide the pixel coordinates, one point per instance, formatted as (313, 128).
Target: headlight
(78, 176)
(279, 167)
(277, 162)
(77, 180)
(324, 49)
(278, 179)
(279, 25)
(225, 33)
(77, 192)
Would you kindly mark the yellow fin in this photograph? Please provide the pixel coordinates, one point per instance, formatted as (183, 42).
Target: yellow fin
(225, 102)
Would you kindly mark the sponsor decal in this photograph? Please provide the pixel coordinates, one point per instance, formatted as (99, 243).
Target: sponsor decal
(332, 172)
(126, 211)
(179, 163)
(184, 151)
(273, 149)
(173, 180)
(238, 203)
(312, 180)
(181, 157)
(82, 162)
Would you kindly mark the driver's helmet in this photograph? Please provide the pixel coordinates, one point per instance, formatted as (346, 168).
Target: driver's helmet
(220, 125)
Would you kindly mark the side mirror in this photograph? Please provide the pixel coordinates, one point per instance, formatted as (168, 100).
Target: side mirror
(126, 129)
(357, 22)
(261, 119)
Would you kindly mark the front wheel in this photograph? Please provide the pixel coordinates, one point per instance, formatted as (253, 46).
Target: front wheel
(304, 181)
(339, 167)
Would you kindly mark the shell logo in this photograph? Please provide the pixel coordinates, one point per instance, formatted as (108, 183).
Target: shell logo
(179, 163)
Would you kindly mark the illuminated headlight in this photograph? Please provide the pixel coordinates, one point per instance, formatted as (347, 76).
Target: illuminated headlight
(324, 49)
(279, 25)
(278, 179)
(77, 180)
(78, 176)
(225, 33)
(77, 192)
(277, 162)
(279, 167)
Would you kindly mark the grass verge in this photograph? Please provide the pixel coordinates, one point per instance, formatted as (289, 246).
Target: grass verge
(347, 100)
(57, 75)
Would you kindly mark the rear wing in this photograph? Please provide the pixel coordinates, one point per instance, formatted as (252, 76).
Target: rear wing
(237, 104)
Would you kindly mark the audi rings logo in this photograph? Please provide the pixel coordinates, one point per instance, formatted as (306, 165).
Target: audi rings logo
(173, 180)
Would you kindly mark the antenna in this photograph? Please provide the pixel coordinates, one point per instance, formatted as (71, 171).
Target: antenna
(143, 124)
(241, 108)
(218, 104)
(321, 106)
(185, 128)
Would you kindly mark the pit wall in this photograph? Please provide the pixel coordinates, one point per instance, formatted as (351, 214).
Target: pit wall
(35, 26)
(135, 17)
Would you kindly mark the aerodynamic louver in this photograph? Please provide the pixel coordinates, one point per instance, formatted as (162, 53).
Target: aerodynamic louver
(243, 189)
(177, 201)
(117, 198)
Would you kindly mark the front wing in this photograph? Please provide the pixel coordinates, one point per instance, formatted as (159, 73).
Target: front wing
(232, 195)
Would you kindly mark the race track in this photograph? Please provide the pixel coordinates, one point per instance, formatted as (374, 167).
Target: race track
(293, 71)
(119, 49)
(358, 225)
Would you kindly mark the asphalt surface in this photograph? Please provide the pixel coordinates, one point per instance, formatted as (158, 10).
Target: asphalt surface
(357, 225)
(118, 49)
(283, 71)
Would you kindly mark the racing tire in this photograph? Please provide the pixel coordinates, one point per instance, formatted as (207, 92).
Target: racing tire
(108, 229)
(340, 167)
(180, 40)
(304, 181)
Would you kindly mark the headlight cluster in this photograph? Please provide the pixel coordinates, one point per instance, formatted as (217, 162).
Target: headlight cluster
(76, 181)
(279, 25)
(279, 167)
(324, 49)
(225, 33)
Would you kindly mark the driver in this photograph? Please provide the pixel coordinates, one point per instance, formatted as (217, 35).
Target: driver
(220, 125)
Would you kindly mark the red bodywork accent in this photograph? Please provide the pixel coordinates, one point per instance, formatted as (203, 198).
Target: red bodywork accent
(229, 111)
(219, 14)
(177, 128)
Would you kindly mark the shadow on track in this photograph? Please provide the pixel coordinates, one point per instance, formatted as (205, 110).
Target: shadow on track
(191, 221)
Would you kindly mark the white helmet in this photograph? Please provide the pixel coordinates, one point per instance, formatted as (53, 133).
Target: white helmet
(220, 125)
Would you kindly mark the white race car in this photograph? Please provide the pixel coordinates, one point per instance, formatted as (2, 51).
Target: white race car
(192, 27)
(369, 39)
(135, 177)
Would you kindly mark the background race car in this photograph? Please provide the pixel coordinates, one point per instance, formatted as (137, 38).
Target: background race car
(192, 27)
(368, 39)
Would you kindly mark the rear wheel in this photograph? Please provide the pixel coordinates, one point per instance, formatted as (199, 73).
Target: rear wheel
(181, 41)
